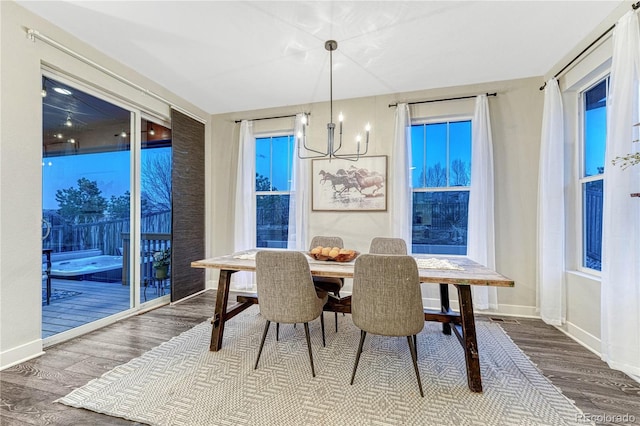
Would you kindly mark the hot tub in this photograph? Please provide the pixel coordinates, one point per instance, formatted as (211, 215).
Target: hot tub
(96, 268)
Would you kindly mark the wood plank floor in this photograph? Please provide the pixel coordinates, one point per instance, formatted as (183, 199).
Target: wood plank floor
(28, 390)
(94, 300)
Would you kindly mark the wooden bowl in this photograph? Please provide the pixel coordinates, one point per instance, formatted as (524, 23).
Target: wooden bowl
(346, 257)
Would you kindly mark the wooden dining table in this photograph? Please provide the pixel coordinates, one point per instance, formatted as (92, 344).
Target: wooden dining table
(466, 274)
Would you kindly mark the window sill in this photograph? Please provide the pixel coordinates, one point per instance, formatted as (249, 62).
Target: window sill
(585, 275)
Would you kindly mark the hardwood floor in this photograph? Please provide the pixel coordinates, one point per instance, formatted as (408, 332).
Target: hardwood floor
(89, 301)
(28, 390)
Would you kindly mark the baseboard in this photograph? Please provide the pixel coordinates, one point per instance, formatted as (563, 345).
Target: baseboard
(21, 354)
(584, 338)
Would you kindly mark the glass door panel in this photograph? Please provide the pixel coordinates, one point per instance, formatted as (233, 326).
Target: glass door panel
(155, 203)
(86, 198)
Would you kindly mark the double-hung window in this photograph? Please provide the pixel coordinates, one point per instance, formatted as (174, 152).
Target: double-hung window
(441, 179)
(592, 171)
(274, 159)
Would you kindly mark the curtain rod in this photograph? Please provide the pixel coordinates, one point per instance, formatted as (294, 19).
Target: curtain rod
(634, 6)
(268, 118)
(35, 34)
(444, 99)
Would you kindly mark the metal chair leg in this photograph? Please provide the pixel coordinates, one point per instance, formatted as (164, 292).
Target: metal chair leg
(322, 327)
(264, 336)
(277, 331)
(363, 334)
(306, 331)
(337, 294)
(414, 357)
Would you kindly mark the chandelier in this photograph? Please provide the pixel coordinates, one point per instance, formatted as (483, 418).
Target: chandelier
(332, 147)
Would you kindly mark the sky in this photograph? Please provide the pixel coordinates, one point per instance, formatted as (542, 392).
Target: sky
(109, 169)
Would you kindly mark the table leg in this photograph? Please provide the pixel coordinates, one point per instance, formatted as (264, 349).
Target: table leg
(469, 341)
(445, 307)
(219, 316)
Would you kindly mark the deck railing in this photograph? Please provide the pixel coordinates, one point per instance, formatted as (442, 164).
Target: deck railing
(149, 244)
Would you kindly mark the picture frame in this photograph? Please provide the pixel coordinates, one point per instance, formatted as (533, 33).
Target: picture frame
(350, 186)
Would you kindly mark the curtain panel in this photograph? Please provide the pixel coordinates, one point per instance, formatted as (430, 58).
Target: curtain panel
(620, 287)
(187, 199)
(481, 228)
(299, 197)
(401, 191)
(551, 229)
(245, 202)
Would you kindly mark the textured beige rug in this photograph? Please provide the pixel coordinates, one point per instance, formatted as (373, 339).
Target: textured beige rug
(181, 383)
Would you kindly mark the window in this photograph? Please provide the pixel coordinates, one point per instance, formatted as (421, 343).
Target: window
(274, 160)
(441, 176)
(594, 130)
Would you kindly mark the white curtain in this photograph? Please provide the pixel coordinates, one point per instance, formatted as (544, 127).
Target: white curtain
(402, 199)
(550, 272)
(299, 198)
(620, 287)
(481, 235)
(245, 202)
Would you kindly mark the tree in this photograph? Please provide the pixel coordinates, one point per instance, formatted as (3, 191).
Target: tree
(84, 204)
(436, 176)
(118, 207)
(459, 173)
(155, 178)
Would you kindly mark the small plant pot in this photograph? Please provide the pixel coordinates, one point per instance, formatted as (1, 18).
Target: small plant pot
(161, 272)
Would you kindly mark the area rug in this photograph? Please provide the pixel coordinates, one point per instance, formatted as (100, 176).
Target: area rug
(58, 295)
(182, 383)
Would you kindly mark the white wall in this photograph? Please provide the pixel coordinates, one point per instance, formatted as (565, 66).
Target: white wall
(21, 63)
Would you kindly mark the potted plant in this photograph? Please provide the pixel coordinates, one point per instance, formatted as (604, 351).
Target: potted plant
(161, 262)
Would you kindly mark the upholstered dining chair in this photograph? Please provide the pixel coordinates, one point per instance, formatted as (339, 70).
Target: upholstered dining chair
(286, 293)
(383, 245)
(328, 284)
(386, 300)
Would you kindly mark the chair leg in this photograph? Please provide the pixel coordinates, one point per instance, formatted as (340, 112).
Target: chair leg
(306, 331)
(415, 344)
(337, 294)
(264, 336)
(414, 357)
(277, 331)
(363, 334)
(322, 327)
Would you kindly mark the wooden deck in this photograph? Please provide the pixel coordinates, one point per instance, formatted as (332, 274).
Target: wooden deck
(96, 300)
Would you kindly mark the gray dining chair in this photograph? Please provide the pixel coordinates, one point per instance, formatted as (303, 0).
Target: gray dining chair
(383, 245)
(286, 293)
(386, 300)
(328, 284)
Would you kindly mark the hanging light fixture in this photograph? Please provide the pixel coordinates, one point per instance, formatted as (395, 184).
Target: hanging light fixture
(332, 148)
(68, 123)
(151, 131)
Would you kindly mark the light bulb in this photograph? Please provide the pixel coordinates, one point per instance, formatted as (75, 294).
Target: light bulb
(340, 117)
(152, 132)
(123, 134)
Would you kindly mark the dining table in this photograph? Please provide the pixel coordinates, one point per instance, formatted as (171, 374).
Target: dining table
(458, 271)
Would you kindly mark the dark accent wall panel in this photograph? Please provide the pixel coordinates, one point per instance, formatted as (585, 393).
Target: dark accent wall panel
(188, 189)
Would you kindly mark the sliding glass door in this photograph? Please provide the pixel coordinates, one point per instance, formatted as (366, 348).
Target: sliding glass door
(88, 194)
(155, 207)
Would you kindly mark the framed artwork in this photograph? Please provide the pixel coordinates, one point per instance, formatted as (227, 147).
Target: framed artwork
(343, 185)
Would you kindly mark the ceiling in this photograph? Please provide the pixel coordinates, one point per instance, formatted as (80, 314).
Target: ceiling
(226, 56)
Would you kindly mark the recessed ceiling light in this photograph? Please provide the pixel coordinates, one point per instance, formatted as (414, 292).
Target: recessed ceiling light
(62, 91)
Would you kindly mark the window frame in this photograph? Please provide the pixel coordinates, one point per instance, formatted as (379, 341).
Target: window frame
(581, 179)
(441, 120)
(264, 135)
